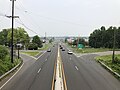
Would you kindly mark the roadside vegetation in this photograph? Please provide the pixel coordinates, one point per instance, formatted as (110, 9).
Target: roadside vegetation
(5, 62)
(107, 60)
(31, 53)
(46, 46)
(89, 50)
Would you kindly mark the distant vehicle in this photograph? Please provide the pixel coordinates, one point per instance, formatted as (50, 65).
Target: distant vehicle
(63, 49)
(70, 52)
(49, 50)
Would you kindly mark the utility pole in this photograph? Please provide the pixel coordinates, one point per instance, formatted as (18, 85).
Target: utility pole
(12, 28)
(114, 40)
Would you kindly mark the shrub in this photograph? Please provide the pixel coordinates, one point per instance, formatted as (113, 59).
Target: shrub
(32, 46)
(3, 52)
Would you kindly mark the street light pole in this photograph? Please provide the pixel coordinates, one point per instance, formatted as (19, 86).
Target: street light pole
(12, 30)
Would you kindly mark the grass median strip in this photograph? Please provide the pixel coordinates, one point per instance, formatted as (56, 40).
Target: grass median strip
(31, 53)
(107, 60)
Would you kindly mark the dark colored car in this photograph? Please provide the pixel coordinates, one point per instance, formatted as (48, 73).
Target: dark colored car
(49, 50)
(63, 49)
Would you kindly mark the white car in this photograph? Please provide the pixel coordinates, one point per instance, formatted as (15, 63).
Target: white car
(70, 52)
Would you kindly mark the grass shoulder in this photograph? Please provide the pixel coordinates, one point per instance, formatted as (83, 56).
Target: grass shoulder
(90, 50)
(31, 53)
(107, 60)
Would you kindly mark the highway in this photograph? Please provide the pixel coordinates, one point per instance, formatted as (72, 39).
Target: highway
(84, 73)
(80, 73)
(38, 76)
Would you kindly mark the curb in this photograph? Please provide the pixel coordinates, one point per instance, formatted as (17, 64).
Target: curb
(109, 69)
(4, 75)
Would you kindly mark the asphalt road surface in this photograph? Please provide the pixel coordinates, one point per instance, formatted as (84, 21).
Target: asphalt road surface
(81, 73)
(38, 76)
(84, 73)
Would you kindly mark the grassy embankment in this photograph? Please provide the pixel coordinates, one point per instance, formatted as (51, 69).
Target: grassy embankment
(107, 60)
(6, 65)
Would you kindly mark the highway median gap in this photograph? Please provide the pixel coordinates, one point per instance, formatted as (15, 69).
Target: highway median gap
(59, 77)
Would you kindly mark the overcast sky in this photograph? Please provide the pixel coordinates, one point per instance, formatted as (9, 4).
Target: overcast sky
(61, 17)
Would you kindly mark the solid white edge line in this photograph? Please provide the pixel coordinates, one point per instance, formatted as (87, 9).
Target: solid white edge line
(29, 56)
(41, 55)
(11, 77)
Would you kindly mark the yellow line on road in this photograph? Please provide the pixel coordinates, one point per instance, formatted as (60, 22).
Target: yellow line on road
(64, 79)
(54, 77)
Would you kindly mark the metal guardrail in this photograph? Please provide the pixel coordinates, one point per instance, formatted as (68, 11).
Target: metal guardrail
(108, 68)
(1, 77)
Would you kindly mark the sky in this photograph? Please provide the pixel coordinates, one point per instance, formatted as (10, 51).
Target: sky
(61, 17)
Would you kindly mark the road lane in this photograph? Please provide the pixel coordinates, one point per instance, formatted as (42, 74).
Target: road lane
(45, 77)
(30, 79)
(85, 74)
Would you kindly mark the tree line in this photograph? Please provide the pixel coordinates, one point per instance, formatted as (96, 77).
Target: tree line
(104, 38)
(20, 36)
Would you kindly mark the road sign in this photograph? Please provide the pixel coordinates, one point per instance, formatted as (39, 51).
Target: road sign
(80, 46)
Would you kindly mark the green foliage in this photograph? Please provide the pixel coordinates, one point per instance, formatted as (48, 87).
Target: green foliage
(108, 61)
(19, 35)
(104, 37)
(6, 65)
(36, 40)
(5, 62)
(3, 52)
(79, 41)
(50, 41)
(32, 46)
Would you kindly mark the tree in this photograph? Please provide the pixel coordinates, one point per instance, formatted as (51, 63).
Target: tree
(19, 35)
(36, 40)
(3, 37)
(3, 52)
(104, 37)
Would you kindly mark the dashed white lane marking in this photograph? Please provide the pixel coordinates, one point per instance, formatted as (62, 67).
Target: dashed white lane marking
(11, 77)
(39, 70)
(76, 68)
(70, 58)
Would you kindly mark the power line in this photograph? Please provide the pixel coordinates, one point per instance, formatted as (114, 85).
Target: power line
(45, 17)
(21, 22)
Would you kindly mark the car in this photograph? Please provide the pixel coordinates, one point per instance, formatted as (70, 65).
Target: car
(49, 50)
(70, 52)
(63, 49)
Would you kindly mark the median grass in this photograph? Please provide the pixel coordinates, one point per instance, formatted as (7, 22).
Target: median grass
(108, 61)
(31, 53)
(6, 65)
